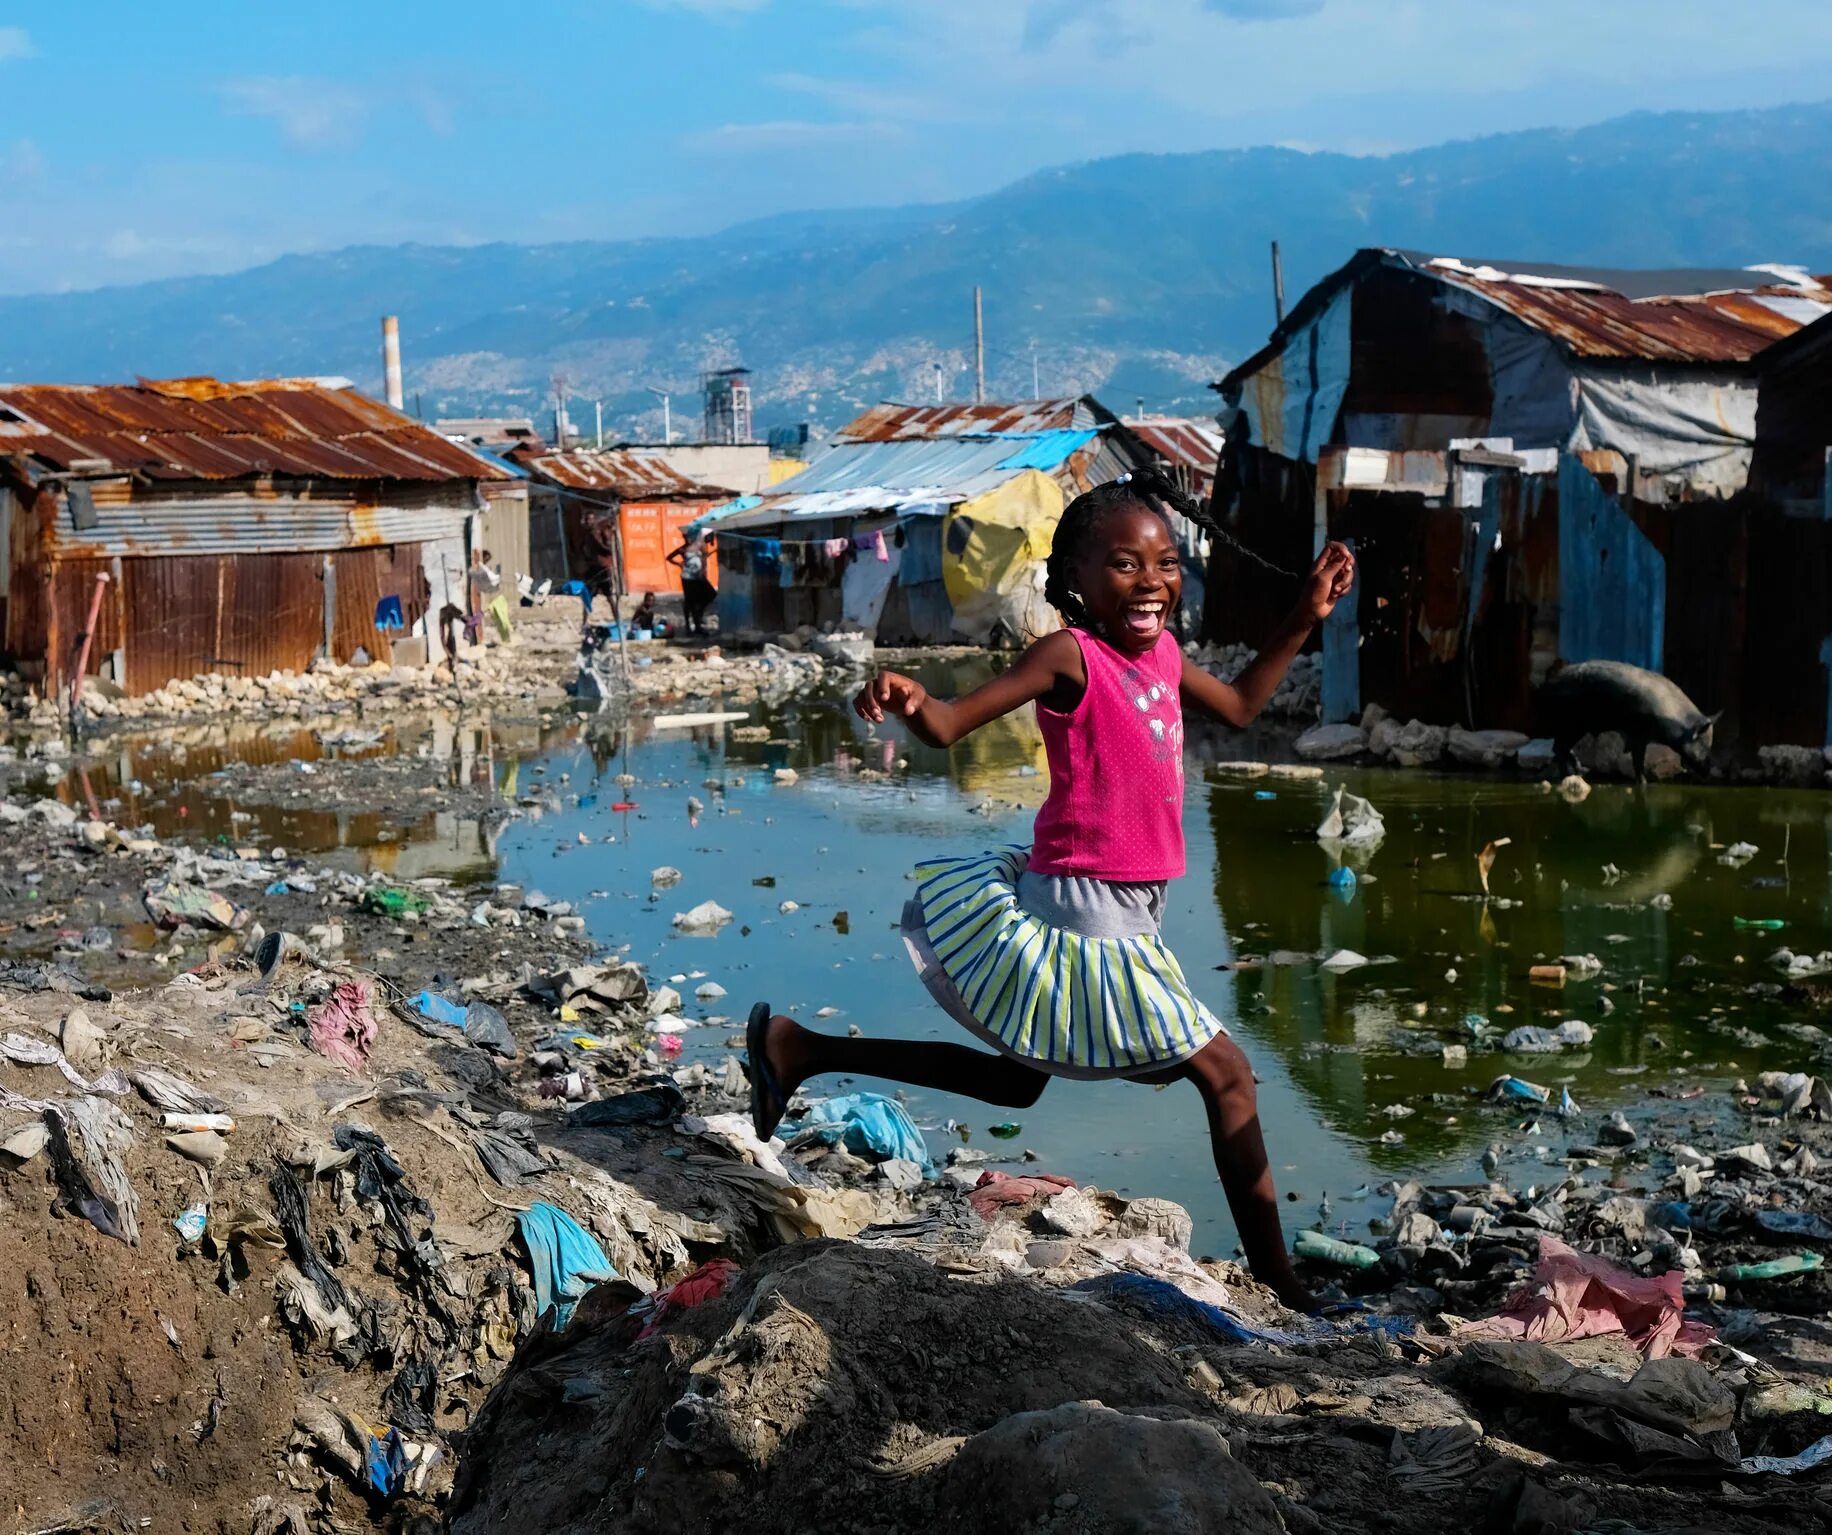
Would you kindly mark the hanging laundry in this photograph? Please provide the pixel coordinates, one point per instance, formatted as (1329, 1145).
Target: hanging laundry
(388, 614)
(499, 616)
(877, 540)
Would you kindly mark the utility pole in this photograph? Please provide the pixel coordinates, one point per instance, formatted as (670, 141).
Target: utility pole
(937, 367)
(559, 410)
(979, 350)
(1036, 388)
(1141, 415)
(667, 419)
(598, 411)
(1278, 284)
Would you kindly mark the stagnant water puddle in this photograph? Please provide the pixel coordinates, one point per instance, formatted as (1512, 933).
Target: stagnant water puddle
(1685, 996)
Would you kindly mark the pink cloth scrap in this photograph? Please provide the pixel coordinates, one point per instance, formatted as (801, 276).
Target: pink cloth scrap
(343, 1028)
(877, 543)
(996, 1189)
(1578, 1295)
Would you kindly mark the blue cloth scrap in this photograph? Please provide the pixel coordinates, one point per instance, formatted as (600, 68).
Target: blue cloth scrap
(388, 614)
(387, 1463)
(564, 1258)
(869, 1125)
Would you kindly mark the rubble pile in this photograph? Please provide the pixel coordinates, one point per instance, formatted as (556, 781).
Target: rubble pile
(1299, 694)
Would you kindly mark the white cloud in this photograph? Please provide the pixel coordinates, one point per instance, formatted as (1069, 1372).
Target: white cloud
(312, 113)
(780, 135)
(16, 43)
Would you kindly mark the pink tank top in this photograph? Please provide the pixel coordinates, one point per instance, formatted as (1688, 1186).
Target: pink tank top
(1115, 807)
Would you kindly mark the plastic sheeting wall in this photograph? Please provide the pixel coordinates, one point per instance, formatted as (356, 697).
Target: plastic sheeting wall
(993, 554)
(1701, 429)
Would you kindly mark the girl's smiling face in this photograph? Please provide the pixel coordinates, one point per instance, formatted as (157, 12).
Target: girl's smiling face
(1130, 579)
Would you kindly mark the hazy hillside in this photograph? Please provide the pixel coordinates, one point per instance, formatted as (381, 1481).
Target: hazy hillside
(1134, 275)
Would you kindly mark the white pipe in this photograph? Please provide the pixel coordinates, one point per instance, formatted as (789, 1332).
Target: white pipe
(391, 360)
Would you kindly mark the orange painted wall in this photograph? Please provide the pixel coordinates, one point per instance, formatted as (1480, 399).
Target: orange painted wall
(650, 530)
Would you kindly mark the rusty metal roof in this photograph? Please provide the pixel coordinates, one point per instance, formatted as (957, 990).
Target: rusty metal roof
(1595, 320)
(1194, 443)
(1688, 317)
(208, 429)
(891, 422)
(631, 474)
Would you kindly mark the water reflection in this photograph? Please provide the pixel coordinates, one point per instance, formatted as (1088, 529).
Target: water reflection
(1632, 877)
(1685, 995)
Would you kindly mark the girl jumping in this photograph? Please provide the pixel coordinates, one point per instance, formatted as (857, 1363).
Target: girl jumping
(1051, 955)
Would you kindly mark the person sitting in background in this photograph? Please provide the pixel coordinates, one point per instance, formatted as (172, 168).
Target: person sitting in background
(644, 616)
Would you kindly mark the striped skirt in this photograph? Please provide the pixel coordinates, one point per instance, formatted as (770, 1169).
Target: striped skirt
(1064, 1002)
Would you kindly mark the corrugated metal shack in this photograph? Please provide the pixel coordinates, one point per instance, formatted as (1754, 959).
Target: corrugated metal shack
(1403, 351)
(920, 524)
(1478, 569)
(597, 512)
(246, 527)
(1794, 422)
(1532, 464)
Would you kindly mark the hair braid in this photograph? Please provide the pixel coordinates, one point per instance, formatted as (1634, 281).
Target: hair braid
(1148, 488)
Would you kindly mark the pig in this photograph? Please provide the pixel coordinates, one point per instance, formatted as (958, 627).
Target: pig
(1591, 697)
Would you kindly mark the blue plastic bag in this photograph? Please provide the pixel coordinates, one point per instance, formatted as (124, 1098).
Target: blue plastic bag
(430, 1005)
(870, 1125)
(564, 1257)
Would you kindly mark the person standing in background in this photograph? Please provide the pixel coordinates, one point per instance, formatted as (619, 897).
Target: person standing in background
(697, 593)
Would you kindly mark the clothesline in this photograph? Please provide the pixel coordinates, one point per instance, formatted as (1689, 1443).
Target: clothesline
(835, 547)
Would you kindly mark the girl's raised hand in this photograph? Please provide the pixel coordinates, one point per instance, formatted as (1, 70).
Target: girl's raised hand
(1328, 581)
(889, 692)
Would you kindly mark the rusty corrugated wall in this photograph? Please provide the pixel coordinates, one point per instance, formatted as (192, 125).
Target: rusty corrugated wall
(238, 614)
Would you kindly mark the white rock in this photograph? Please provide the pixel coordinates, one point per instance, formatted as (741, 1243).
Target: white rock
(1483, 748)
(1330, 743)
(709, 991)
(1793, 764)
(789, 906)
(665, 877)
(1382, 735)
(707, 917)
(1418, 744)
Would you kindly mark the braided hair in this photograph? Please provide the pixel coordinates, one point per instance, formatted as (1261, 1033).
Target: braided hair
(1147, 489)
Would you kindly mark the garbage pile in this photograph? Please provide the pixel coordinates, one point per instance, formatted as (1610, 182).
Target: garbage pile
(1026, 1354)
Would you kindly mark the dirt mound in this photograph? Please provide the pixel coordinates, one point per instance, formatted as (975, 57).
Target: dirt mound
(841, 1386)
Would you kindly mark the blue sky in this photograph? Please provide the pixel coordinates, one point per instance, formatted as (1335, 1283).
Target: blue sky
(145, 141)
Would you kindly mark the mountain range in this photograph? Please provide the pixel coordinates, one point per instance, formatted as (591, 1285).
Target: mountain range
(1138, 276)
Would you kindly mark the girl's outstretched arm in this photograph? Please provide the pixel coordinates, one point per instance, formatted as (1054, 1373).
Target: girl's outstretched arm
(1240, 701)
(1053, 666)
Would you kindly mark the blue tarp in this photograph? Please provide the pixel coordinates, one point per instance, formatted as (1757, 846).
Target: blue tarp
(869, 1125)
(718, 513)
(566, 1260)
(1048, 450)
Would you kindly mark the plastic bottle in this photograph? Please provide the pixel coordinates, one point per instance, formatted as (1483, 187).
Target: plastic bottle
(1348, 1255)
(1774, 1268)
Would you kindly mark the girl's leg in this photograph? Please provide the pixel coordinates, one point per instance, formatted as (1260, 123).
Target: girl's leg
(1225, 1080)
(794, 1054)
